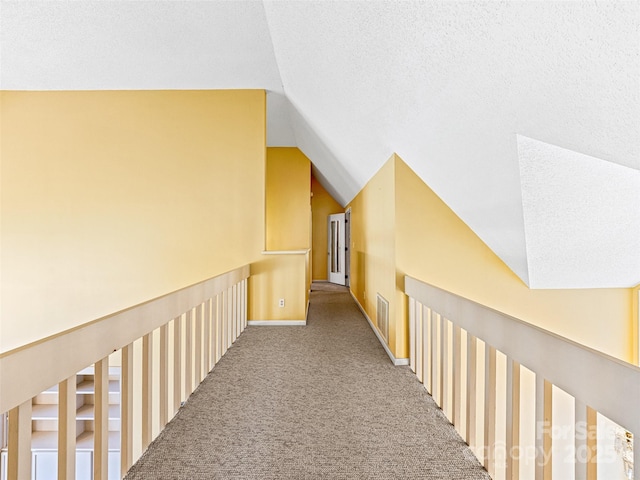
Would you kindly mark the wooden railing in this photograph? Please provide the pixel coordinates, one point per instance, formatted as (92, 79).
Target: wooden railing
(193, 328)
(446, 328)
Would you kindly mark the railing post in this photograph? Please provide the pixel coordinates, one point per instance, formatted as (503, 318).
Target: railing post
(19, 448)
(418, 346)
(586, 440)
(220, 321)
(67, 429)
(636, 455)
(592, 446)
(164, 373)
(236, 311)
(188, 354)
(214, 331)
(472, 379)
(412, 334)
(126, 410)
(207, 336)
(457, 376)
(444, 364)
(543, 428)
(229, 317)
(244, 303)
(177, 363)
(490, 395)
(426, 351)
(198, 342)
(434, 354)
(513, 420)
(147, 390)
(101, 420)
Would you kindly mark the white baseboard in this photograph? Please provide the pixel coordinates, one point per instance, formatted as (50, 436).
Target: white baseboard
(396, 361)
(276, 323)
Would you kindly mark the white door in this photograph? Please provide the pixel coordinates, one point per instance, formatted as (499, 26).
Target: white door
(336, 254)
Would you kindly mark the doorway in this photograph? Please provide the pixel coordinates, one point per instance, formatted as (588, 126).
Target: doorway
(337, 248)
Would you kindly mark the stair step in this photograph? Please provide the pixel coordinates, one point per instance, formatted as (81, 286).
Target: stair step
(85, 412)
(48, 441)
(87, 387)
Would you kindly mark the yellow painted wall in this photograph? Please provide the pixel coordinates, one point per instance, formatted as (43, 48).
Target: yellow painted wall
(435, 246)
(275, 277)
(322, 205)
(288, 199)
(288, 227)
(400, 226)
(373, 246)
(112, 198)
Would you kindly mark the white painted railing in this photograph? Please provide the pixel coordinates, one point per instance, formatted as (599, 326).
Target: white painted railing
(447, 332)
(193, 328)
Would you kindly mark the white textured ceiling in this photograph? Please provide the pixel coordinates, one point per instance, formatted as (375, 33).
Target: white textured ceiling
(464, 92)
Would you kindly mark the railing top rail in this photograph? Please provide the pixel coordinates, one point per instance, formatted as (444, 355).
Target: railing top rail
(605, 383)
(28, 370)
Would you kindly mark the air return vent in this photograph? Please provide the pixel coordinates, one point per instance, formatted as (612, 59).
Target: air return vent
(382, 317)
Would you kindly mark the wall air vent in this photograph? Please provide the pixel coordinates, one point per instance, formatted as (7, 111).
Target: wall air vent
(382, 317)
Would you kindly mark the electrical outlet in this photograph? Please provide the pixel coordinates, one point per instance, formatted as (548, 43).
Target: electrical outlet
(281, 302)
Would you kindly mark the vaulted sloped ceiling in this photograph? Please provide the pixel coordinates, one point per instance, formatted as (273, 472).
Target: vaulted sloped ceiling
(523, 116)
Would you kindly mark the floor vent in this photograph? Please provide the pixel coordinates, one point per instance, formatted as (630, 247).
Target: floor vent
(382, 317)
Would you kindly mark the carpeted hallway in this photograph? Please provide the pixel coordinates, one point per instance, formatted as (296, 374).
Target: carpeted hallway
(315, 402)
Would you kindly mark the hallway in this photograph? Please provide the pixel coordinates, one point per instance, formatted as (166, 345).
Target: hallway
(315, 402)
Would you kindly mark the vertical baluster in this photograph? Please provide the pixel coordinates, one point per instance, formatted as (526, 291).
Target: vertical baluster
(472, 379)
(101, 420)
(490, 395)
(513, 420)
(543, 428)
(19, 448)
(236, 316)
(188, 354)
(457, 376)
(412, 334)
(147, 389)
(244, 304)
(434, 353)
(444, 365)
(221, 329)
(232, 320)
(636, 454)
(417, 341)
(164, 375)
(67, 429)
(207, 336)
(592, 446)
(229, 317)
(198, 342)
(177, 363)
(426, 351)
(223, 323)
(586, 441)
(215, 336)
(126, 409)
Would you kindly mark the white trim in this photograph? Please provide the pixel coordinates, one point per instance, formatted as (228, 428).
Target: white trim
(285, 252)
(396, 361)
(276, 323)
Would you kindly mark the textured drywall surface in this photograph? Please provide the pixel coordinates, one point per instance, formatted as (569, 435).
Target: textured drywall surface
(446, 85)
(582, 217)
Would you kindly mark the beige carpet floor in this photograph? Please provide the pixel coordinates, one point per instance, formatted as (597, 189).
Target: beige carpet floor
(321, 401)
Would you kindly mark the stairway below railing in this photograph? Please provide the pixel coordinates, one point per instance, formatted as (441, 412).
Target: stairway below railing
(156, 353)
